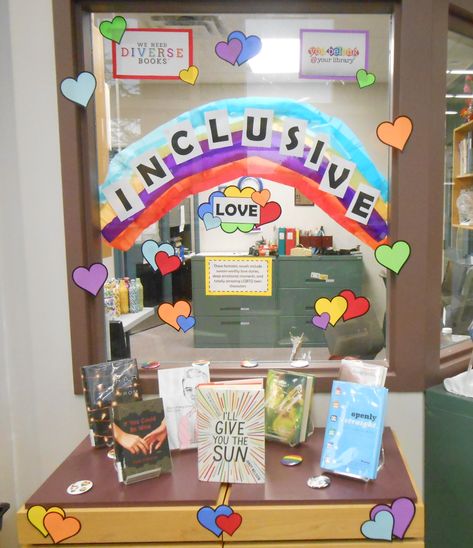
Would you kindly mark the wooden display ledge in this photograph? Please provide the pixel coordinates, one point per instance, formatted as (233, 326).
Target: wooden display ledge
(283, 512)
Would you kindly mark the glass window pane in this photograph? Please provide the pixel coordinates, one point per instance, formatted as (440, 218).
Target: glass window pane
(457, 284)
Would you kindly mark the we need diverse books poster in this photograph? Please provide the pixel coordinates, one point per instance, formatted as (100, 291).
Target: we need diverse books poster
(230, 421)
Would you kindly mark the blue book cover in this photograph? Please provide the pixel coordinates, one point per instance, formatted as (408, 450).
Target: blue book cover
(354, 429)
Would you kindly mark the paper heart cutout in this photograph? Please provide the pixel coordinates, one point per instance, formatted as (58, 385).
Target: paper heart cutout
(321, 321)
(335, 307)
(395, 134)
(365, 78)
(211, 222)
(189, 76)
(357, 306)
(381, 528)
(80, 90)
(230, 228)
(269, 213)
(393, 257)
(207, 207)
(229, 524)
(150, 248)
(185, 323)
(167, 264)
(261, 197)
(207, 516)
(36, 515)
(61, 528)
(90, 279)
(251, 45)
(170, 312)
(403, 510)
(229, 51)
(235, 192)
(113, 30)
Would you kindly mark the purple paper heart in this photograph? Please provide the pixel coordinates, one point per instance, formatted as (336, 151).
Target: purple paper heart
(251, 45)
(90, 279)
(206, 207)
(322, 320)
(229, 51)
(403, 510)
(185, 323)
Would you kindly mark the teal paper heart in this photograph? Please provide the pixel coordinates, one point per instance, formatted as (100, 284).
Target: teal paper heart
(381, 528)
(229, 228)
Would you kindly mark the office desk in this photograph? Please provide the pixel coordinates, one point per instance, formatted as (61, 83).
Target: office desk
(283, 512)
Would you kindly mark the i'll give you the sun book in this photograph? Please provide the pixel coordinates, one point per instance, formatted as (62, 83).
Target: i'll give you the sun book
(230, 424)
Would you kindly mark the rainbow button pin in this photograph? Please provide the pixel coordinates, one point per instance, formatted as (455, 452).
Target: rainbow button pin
(291, 460)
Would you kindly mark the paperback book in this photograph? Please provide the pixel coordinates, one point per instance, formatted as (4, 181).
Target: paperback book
(105, 385)
(141, 446)
(288, 406)
(230, 425)
(354, 430)
(177, 387)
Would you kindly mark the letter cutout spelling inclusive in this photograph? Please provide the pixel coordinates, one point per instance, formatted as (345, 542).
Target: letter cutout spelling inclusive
(277, 140)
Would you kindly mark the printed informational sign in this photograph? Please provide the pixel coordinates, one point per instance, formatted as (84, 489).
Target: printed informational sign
(333, 54)
(152, 54)
(238, 276)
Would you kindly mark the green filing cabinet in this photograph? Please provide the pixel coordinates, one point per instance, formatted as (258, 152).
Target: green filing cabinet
(448, 469)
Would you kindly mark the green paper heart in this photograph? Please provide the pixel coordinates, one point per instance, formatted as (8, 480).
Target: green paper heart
(113, 30)
(229, 228)
(393, 257)
(364, 78)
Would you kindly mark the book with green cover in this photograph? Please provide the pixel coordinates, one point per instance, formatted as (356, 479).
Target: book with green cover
(288, 406)
(141, 445)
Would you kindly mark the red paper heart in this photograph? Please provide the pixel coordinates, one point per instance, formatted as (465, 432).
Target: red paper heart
(230, 523)
(166, 263)
(357, 306)
(269, 213)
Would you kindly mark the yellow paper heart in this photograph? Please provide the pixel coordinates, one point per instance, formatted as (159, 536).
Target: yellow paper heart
(335, 308)
(36, 515)
(234, 192)
(189, 76)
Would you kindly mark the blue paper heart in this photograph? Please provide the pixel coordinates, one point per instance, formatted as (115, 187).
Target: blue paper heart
(251, 45)
(381, 528)
(185, 323)
(211, 222)
(206, 516)
(81, 90)
(207, 207)
(150, 248)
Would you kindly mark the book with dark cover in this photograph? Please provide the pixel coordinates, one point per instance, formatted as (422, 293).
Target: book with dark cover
(141, 445)
(104, 385)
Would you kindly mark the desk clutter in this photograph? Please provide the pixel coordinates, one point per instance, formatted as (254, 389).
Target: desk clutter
(122, 296)
(226, 423)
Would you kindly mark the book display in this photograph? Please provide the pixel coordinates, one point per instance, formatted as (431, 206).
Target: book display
(462, 177)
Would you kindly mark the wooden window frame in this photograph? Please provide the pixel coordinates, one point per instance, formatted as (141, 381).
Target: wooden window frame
(413, 313)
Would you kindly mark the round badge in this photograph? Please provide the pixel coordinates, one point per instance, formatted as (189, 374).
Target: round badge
(319, 482)
(291, 460)
(111, 454)
(201, 362)
(299, 363)
(80, 487)
(150, 365)
(248, 363)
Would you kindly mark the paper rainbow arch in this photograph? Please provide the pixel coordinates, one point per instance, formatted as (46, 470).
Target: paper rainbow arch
(150, 177)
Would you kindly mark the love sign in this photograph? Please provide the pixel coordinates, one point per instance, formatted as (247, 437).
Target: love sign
(236, 210)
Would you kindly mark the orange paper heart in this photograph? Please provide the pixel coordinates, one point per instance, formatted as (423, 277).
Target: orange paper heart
(60, 528)
(395, 134)
(189, 76)
(170, 312)
(261, 198)
(36, 515)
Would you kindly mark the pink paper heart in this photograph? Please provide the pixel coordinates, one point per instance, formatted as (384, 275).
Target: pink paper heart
(229, 51)
(321, 321)
(403, 511)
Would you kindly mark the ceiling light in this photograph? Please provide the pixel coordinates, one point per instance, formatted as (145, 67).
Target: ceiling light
(459, 71)
(464, 96)
(277, 56)
(451, 112)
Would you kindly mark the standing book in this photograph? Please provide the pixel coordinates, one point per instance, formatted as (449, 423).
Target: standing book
(141, 446)
(230, 425)
(177, 387)
(288, 406)
(354, 431)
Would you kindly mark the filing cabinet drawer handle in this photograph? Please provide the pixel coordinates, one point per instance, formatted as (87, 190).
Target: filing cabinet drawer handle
(235, 323)
(239, 308)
